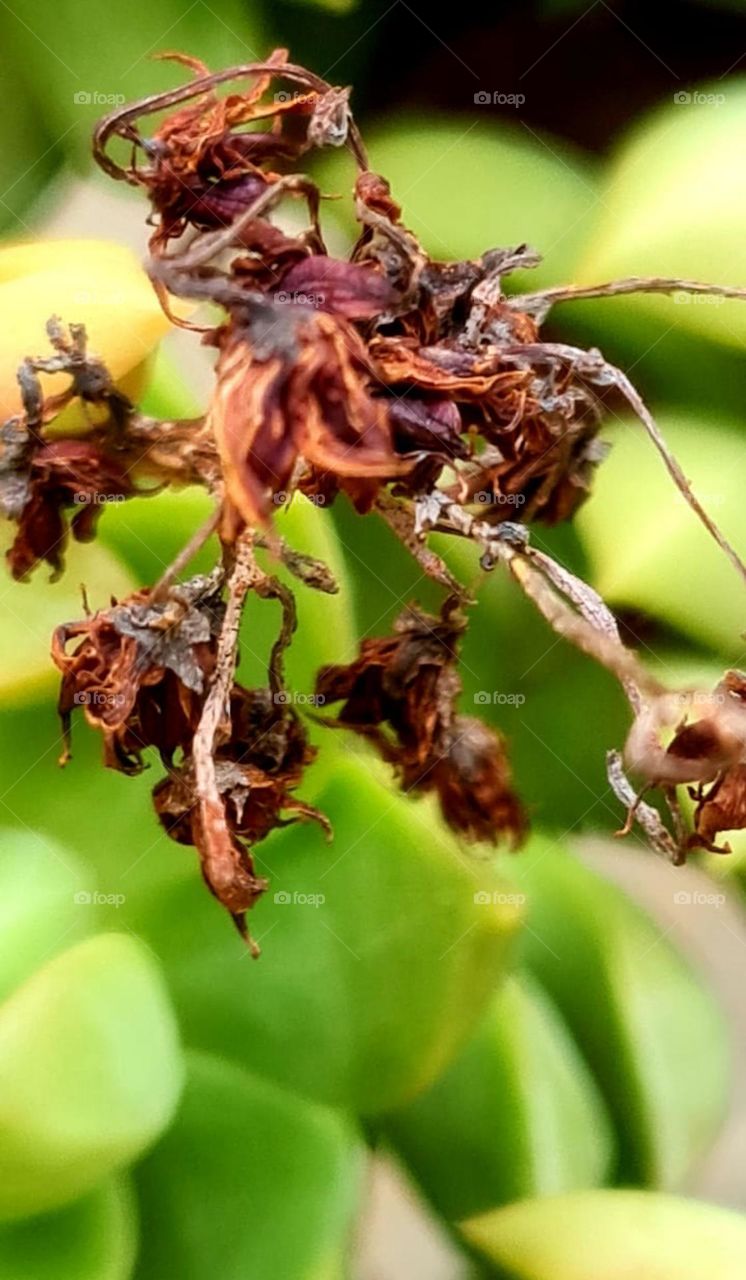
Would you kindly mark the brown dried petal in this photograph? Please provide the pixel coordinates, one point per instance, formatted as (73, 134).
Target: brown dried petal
(721, 808)
(474, 785)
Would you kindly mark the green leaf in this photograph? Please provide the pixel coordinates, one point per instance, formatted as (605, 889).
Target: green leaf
(28, 156)
(169, 394)
(90, 1072)
(674, 204)
(29, 612)
(517, 1114)
(649, 1029)
(107, 819)
(41, 885)
(364, 993)
(248, 1181)
(82, 66)
(93, 1239)
(531, 685)
(612, 1235)
(469, 184)
(664, 562)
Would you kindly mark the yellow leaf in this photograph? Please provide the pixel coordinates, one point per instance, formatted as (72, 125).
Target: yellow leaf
(92, 282)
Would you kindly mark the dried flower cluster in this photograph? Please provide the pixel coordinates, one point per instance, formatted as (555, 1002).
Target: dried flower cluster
(418, 388)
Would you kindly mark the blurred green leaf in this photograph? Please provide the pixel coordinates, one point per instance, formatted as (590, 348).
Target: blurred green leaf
(83, 61)
(105, 818)
(612, 1235)
(646, 546)
(649, 1029)
(248, 1181)
(28, 156)
(534, 687)
(39, 881)
(364, 994)
(92, 1239)
(674, 204)
(168, 394)
(90, 1072)
(517, 1114)
(469, 184)
(29, 612)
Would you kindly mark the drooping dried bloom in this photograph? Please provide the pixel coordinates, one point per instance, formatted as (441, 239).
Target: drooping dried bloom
(401, 692)
(256, 771)
(140, 670)
(54, 478)
(294, 384)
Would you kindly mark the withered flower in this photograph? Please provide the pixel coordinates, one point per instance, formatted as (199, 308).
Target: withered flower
(40, 481)
(401, 692)
(256, 769)
(292, 384)
(139, 671)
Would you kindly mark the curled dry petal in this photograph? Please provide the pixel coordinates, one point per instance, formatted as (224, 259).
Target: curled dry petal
(295, 384)
(401, 692)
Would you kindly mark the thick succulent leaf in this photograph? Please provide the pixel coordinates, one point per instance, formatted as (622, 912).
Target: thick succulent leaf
(468, 184)
(42, 889)
(105, 817)
(90, 1072)
(248, 1181)
(648, 550)
(29, 612)
(374, 942)
(674, 205)
(612, 1235)
(92, 1239)
(517, 1114)
(28, 156)
(651, 1032)
(92, 282)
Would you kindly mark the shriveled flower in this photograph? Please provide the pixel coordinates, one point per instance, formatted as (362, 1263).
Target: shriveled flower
(257, 769)
(41, 481)
(139, 671)
(293, 384)
(401, 692)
